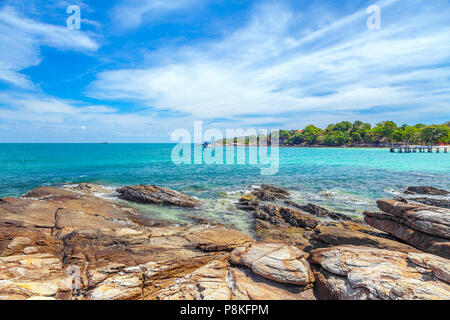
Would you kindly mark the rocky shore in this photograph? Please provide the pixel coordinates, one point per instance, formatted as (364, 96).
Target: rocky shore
(68, 243)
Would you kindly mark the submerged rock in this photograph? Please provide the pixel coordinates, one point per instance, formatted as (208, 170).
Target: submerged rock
(157, 195)
(424, 227)
(89, 188)
(426, 190)
(350, 273)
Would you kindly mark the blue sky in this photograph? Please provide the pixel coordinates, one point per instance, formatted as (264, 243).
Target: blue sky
(138, 70)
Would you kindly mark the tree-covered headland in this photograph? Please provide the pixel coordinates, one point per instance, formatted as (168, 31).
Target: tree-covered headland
(360, 133)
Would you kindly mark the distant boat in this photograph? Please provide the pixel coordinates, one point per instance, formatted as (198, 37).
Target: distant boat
(105, 142)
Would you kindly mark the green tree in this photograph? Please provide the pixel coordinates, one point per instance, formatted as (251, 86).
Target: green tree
(311, 134)
(435, 133)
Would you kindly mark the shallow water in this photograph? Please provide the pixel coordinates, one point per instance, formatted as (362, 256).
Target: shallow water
(345, 180)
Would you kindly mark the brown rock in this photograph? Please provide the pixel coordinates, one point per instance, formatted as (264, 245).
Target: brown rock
(89, 188)
(270, 193)
(245, 285)
(336, 236)
(426, 190)
(212, 239)
(441, 203)
(319, 211)
(265, 231)
(206, 283)
(424, 227)
(248, 202)
(157, 195)
(398, 227)
(118, 255)
(279, 215)
(349, 272)
(275, 261)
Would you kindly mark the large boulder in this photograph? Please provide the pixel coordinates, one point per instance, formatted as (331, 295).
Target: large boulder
(424, 227)
(157, 195)
(351, 273)
(275, 261)
(426, 190)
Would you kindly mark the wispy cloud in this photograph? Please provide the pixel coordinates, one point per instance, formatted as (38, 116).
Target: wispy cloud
(270, 66)
(131, 14)
(21, 39)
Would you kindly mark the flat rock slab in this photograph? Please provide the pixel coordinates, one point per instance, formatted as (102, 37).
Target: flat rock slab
(215, 238)
(336, 236)
(350, 272)
(157, 195)
(275, 261)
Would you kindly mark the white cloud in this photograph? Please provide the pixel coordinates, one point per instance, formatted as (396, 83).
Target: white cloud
(131, 14)
(265, 68)
(21, 38)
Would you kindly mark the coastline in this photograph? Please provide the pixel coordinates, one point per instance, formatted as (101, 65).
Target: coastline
(306, 146)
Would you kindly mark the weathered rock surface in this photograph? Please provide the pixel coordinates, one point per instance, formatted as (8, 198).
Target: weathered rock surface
(441, 203)
(319, 211)
(270, 193)
(279, 215)
(325, 236)
(426, 190)
(212, 239)
(114, 254)
(250, 201)
(424, 227)
(350, 272)
(157, 195)
(89, 188)
(266, 231)
(117, 255)
(218, 280)
(275, 261)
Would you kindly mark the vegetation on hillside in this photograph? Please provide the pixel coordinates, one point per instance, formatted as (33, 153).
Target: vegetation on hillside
(359, 133)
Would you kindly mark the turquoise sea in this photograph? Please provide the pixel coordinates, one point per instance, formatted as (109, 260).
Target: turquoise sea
(345, 180)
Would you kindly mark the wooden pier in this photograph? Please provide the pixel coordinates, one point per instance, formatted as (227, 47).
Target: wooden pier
(420, 149)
